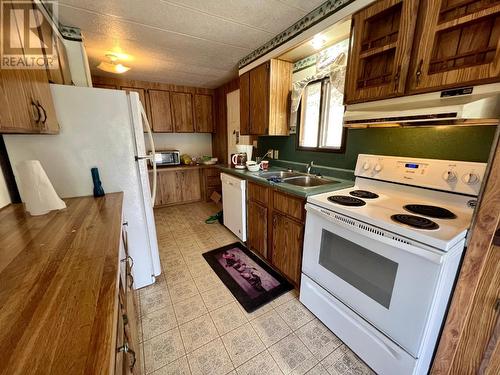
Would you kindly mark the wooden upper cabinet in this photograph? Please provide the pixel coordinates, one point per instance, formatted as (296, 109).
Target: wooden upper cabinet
(264, 98)
(161, 113)
(245, 103)
(27, 105)
(182, 112)
(143, 99)
(203, 113)
(459, 44)
(379, 57)
(109, 86)
(259, 99)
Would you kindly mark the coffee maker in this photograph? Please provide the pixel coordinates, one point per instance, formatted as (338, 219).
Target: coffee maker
(239, 160)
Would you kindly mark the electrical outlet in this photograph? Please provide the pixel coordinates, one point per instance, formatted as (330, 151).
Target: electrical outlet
(270, 153)
(276, 154)
(254, 143)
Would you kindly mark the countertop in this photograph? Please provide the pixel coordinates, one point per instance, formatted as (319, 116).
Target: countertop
(182, 167)
(59, 286)
(288, 188)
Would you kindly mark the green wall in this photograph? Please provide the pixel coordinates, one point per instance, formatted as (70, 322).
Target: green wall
(467, 143)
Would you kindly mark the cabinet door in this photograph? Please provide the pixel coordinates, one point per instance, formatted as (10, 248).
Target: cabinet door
(131, 327)
(244, 103)
(382, 36)
(120, 360)
(41, 91)
(257, 228)
(142, 98)
(259, 99)
(287, 240)
(459, 45)
(170, 188)
(182, 112)
(190, 185)
(161, 113)
(27, 105)
(203, 113)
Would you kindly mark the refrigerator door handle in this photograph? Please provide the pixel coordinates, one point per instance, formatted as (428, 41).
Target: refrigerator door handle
(153, 153)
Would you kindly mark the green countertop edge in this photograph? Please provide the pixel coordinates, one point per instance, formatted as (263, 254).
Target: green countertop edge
(287, 188)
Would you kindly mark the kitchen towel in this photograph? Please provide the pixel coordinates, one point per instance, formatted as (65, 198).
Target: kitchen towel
(36, 190)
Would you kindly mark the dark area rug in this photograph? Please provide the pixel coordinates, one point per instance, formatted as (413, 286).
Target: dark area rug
(252, 282)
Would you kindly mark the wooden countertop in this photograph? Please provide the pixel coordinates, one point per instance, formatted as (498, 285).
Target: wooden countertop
(182, 167)
(58, 287)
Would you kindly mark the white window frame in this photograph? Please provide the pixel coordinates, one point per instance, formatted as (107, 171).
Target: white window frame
(323, 121)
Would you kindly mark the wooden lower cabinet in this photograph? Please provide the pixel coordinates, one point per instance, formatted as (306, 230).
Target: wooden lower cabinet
(128, 358)
(257, 228)
(189, 185)
(275, 227)
(178, 185)
(287, 240)
(211, 182)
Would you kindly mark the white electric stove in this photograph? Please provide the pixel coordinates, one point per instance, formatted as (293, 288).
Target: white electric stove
(380, 258)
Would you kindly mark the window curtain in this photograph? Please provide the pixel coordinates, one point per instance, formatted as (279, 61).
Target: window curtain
(330, 62)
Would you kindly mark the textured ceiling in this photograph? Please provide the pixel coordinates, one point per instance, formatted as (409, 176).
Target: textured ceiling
(188, 42)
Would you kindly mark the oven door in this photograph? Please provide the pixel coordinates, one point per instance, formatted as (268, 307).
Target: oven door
(389, 283)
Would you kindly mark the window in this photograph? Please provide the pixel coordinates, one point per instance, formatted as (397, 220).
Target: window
(321, 117)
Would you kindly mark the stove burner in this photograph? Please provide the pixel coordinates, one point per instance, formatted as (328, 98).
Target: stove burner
(346, 200)
(363, 194)
(418, 222)
(431, 211)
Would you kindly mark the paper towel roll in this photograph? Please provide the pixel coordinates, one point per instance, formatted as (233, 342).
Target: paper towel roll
(37, 191)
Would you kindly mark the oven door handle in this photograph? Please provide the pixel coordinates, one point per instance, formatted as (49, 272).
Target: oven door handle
(434, 256)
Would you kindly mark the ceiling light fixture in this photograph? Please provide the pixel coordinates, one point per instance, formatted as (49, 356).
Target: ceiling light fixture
(318, 41)
(112, 65)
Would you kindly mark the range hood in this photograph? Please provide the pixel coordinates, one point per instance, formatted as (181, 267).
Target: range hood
(467, 103)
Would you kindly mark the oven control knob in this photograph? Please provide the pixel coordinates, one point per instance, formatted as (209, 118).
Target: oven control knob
(470, 178)
(378, 167)
(449, 176)
(366, 165)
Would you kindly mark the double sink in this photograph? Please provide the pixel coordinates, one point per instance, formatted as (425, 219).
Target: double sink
(297, 178)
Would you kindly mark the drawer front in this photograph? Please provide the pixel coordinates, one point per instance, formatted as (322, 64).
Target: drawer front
(258, 193)
(289, 205)
(213, 181)
(212, 172)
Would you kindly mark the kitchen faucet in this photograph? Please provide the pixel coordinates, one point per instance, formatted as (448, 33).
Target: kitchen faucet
(309, 166)
(266, 154)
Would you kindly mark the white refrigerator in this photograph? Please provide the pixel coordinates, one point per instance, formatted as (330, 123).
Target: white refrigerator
(104, 129)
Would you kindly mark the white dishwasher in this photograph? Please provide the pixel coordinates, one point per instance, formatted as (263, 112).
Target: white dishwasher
(234, 205)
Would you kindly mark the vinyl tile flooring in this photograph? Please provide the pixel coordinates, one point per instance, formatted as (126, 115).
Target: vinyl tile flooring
(191, 323)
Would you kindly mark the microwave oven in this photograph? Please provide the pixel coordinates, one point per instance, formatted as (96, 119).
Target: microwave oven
(167, 157)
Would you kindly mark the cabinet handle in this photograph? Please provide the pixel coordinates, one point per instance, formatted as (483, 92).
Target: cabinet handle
(131, 280)
(126, 349)
(418, 73)
(44, 113)
(39, 115)
(127, 258)
(396, 78)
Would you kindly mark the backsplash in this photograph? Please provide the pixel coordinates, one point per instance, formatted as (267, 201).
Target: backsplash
(194, 144)
(466, 143)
